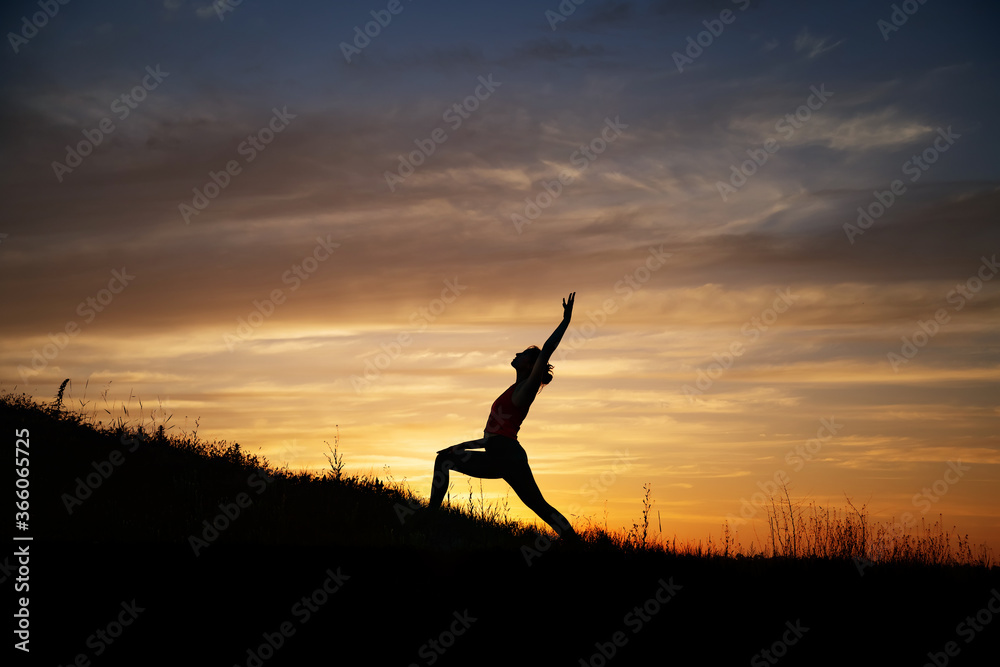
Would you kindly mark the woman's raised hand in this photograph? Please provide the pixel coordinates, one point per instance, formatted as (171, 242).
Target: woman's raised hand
(568, 306)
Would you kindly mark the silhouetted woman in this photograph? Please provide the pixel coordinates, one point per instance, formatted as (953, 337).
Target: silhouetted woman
(504, 457)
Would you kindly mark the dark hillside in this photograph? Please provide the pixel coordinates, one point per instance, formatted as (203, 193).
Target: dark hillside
(307, 570)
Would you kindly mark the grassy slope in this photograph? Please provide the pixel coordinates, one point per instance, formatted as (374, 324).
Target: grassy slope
(407, 580)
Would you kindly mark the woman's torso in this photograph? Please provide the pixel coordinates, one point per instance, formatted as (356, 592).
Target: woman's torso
(506, 417)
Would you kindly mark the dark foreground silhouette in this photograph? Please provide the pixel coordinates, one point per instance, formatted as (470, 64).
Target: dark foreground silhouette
(185, 554)
(504, 457)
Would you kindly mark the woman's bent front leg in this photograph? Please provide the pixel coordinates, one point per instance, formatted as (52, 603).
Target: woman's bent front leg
(472, 463)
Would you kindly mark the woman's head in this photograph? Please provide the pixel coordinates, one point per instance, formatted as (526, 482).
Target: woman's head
(524, 361)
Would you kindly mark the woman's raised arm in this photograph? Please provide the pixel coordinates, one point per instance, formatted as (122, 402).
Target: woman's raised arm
(525, 394)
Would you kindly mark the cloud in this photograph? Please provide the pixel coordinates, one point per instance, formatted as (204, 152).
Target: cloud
(879, 129)
(609, 13)
(812, 45)
(551, 49)
(834, 126)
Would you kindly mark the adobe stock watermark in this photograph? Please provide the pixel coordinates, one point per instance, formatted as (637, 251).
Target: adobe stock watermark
(581, 158)
(967, 629)
(228, 513)
(87, 310)
(103, 638)
(923, 501)
(635, 620)
(779, 648)
(915, 168)
(294, 276)
(752, 328)
(599, 484)
(930, 495)
(433, 649)
(372, 29)
(576, 337)
(302, 611)
(8, 569)
(786, 125)
(412, 505)
(122, 107)
(713, 30)
(454, 116)
(927, 329)
(543, 542)
(565, 9)
(86, 486)
(249, 148)
(797, 457)
(420, 319)
(37, 21)
(596, 485)
(901, 13)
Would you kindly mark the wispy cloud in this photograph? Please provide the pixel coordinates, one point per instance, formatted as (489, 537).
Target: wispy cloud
(814, 46)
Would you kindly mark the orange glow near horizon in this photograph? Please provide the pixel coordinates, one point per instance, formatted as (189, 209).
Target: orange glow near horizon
(615, 418)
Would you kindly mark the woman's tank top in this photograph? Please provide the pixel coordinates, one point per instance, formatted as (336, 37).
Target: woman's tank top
(505, 417)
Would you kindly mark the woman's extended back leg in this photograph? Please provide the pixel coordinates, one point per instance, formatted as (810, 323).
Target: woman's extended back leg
(524, 485)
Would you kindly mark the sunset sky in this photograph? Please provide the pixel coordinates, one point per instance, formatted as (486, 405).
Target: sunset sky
(780, 220)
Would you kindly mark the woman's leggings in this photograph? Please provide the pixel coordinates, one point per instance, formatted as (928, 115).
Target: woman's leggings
(504, 459)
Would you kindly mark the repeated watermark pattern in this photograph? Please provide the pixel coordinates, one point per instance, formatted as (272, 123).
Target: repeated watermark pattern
(433, 649)
(294, 276)
(596, 485)
(454, 116)
(926, 329)
(103, 638)
(249, 148)
(31, 25)
(565, 9)
(968, 628)
(752, 329)
(302, 611)
(625, 288)
(88, 310)
(379, 360)
(634, 620)
(779, 649)
(797, 457)
(363, 36)
(714, 28)
(122, 107)
(786, 126)
(213, 527)
(928, 496)
(914, 168)
(86, 486)
(901, 13)
(581, 159)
